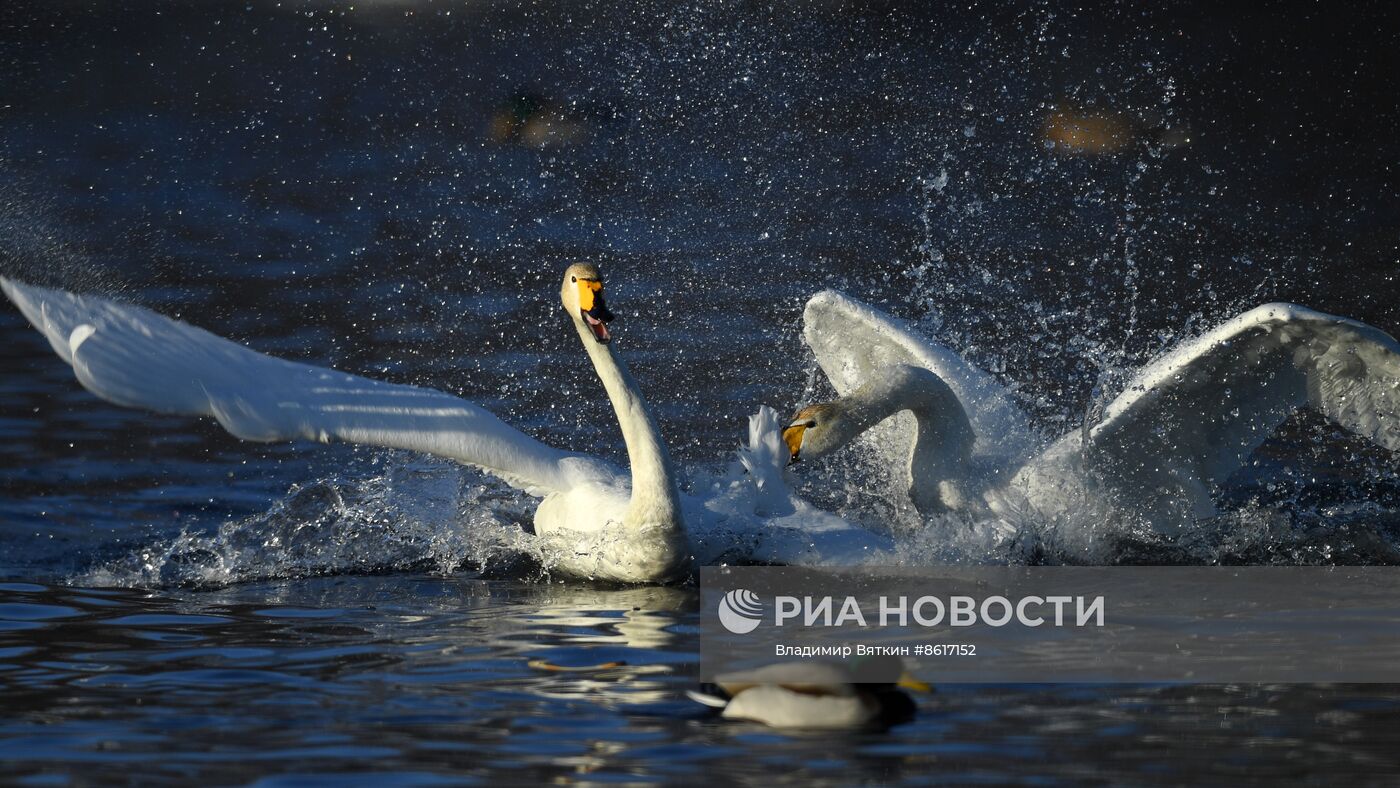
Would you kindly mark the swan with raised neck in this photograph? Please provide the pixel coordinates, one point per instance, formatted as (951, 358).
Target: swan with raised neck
(594, 521)
(654, 545)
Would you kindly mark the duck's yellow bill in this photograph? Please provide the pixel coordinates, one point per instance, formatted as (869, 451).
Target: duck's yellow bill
(913, 685)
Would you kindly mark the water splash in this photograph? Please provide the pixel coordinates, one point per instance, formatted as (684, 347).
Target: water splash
(422, 515)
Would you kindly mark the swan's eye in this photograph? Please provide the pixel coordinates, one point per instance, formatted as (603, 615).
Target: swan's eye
(573, 279)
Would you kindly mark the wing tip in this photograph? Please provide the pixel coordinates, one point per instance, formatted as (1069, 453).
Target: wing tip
(836, 304)
(828, 306)
(828, 297)
(764, 421)
(1275, 310)
(14, 290)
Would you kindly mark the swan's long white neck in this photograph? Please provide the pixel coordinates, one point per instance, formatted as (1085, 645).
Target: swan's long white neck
(655, 500)
(939, 461)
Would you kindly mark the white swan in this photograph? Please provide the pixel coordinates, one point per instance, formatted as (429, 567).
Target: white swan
(594, 521)
(1159, 450)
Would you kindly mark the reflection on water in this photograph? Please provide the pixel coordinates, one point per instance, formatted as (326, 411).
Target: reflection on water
(289, 672)
(419, 676)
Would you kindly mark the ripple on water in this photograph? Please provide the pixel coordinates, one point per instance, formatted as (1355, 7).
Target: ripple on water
(443, 682)
(298, 612)
(21, 588)
(166, 620)
(28, 611)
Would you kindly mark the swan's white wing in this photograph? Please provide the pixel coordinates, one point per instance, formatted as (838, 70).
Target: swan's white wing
(134, 357)
(723, 533)
(764, 461)
(853, 341)
(1190, 418)
(752, 515)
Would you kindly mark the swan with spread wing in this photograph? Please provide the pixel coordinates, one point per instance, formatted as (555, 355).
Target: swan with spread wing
(595, 520)
(1158, 452)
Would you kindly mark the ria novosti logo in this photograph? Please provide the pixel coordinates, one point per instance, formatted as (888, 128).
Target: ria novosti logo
(740, 611)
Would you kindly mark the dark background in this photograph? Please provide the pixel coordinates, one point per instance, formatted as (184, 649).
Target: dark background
(170, 143)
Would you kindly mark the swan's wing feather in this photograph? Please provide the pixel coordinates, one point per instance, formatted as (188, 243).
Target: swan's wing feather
(802, 535)
(854, 341)
(134, 357)
(1189, 419)
(764, 461)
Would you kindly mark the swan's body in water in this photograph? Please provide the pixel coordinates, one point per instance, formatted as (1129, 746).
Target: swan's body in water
(1158, 451)
(595, 520)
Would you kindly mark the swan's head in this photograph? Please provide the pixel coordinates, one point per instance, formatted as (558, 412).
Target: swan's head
(582, 295)
(810, 434)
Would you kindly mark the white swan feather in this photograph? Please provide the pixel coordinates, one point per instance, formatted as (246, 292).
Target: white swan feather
(1193, 416)
(134, 357)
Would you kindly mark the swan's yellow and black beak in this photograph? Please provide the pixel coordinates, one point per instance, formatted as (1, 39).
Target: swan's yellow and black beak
(592, 309)
(793, 435)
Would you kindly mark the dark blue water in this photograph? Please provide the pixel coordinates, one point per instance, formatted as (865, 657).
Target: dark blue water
(331, 185)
